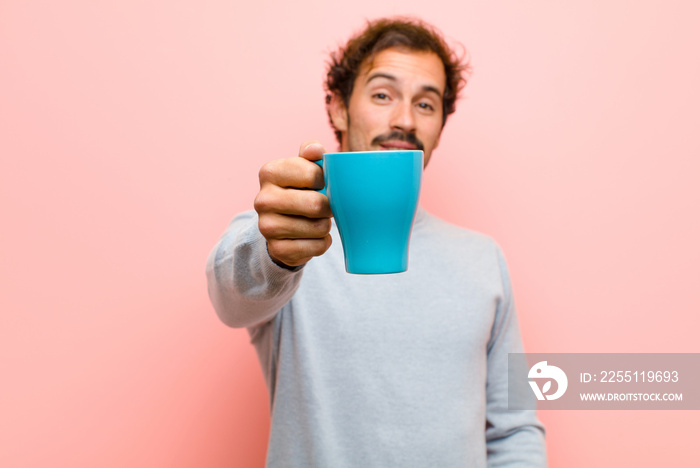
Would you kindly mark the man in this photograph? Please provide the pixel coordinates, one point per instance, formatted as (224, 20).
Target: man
(403, 370)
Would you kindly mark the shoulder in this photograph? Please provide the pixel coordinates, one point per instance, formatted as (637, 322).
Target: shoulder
(438, 230)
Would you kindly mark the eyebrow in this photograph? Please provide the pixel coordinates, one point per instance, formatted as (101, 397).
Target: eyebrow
(425, 88)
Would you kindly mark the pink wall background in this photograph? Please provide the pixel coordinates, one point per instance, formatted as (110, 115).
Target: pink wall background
(131, 132)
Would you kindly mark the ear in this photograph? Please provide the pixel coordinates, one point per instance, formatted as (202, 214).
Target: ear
(338, 113)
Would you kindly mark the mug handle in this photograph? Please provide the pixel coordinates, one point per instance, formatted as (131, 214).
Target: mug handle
(320, 163)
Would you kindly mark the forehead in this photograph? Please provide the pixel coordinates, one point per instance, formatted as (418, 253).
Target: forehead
(420, 67)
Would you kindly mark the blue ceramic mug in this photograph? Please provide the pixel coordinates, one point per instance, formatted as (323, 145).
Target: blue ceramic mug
(374, 198)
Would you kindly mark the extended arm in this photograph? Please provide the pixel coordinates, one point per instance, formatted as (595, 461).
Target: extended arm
(256, 266)
(245, 286)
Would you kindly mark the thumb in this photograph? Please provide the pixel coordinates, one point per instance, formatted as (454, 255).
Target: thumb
(311, 150)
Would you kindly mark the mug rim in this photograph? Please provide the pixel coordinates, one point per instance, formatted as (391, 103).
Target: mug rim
(374, 152)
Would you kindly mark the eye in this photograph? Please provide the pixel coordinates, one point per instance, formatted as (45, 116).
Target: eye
(380, 96)
(426, 106)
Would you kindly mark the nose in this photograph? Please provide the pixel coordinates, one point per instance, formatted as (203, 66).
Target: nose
(403, 118)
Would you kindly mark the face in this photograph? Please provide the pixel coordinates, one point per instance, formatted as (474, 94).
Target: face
(396, 103)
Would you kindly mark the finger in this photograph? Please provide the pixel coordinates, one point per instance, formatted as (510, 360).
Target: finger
(295, 252)
(289, 201)
(292, 172)
(279, 226)
(311, 150)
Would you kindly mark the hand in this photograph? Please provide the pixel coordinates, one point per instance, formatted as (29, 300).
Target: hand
(295, 220)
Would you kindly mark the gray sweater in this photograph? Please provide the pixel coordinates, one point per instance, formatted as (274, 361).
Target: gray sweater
(403, 370)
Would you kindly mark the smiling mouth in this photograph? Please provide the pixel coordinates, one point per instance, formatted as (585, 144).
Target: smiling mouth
(396, 145)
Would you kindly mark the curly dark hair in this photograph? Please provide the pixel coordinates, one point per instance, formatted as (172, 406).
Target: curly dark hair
(386, 33)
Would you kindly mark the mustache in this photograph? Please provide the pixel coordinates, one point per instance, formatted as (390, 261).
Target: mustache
(397, 135)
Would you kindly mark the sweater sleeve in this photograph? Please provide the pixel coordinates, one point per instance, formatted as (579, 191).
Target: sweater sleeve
(514, 438)
(245, 286)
